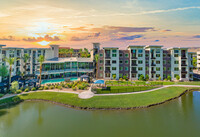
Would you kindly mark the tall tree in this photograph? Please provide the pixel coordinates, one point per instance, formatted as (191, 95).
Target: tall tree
(25, 59)
(3, 71)
(41, 59)
(10, 61)
(96, 60)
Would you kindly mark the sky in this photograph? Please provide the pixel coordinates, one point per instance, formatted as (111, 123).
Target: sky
(113, 23)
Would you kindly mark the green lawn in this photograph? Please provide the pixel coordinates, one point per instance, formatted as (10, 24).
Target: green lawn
(124, 89)
(117, 101)
(1, 95)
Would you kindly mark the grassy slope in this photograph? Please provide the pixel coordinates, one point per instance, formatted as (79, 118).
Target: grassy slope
(117, 101)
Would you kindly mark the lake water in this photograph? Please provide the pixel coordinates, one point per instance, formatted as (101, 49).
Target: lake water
(178, 118)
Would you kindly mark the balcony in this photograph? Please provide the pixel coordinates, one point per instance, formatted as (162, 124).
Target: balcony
(153, 72)
(152, 64)
(107, 57)
(184, 71)
(183, 57)
(133, 57)
(153, 57)
(107, 64)
(133, 71)
(134, 64)
(107, 71)
(183, 64)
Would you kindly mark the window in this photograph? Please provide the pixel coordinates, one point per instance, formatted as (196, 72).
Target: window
(121, 68)
(157, 68)
(126, 68)
(101, 61)
(121, 55)
(101, 75)
(147, 68)
(164, 61)
(176, 75)
(114, 68)
(114, 51)
(101, 68)
(120, 61)
(176, 69)
(140, 68)
(140, 55)
(158, 51)
(164, 55)
(175, 55)
(140, 61)
(114, 55)
(164, 69)
(126, 55)
(157, 75)
(157, 62)
(126, 61)
(120, 75)
(134, 75)
(114, 61)
(101, 55)
(157, 55)
(169, 69)
(176, 62)
(176, 51)
(140, 51)
(147, 55)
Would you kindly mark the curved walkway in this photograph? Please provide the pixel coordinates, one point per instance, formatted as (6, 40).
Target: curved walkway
(88, 94)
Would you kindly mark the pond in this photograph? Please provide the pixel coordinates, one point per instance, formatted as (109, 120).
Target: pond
(178, 118)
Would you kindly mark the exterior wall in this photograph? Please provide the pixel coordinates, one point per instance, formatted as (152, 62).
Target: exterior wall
(198, 60)
(101, 66)
(166, 63)
(124, 63)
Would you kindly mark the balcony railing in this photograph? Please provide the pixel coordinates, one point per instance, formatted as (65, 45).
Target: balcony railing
(153, 64)
(183, 64)
(107, 64)
(133, 57)
(134, 64)
(133, 71)
(184, 71)
(183, 57)
(107, 57)
(153, 72)
(107, 71)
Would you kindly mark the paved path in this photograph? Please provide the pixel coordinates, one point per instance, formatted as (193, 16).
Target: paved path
(88, 94)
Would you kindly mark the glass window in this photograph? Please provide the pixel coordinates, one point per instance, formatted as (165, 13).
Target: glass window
(140, 51)
(176, 69)
(120, 61)
(140, 55)
(114, 61)
(126, 68)
(176, 51)
(114, 55)
(114, 51)
(101, 61)
(101, 55)
(157, 62)
(176, 62)
(140, 61)
(121, 55)
(158, 51)
(114, 68)
(121, 68)
(126, 61)
(157, 55)
(126, 55)
(157, 68)
(140, 68)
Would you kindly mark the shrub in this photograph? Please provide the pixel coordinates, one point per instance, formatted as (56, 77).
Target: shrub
(26, 90)
(41, 88)
(177, 77)
(51, 87)
(19, 91)
(159, 78)
(169, 78)
(114, 76)
(46, 88)
(141, 78)
(125, 77)
(14, 86)
(59, 87)
(33, 89)
(74, 88)
(165, 79)
(22, 88)
(147, 77)
(1, 95)
(121, 79)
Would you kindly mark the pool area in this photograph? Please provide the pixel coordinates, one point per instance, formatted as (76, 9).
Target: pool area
(48, 81)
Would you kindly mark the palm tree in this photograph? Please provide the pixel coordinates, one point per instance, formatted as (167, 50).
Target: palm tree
(25, 58)
(71, 51)
(41, 59)
(96, 60)
(10, 61)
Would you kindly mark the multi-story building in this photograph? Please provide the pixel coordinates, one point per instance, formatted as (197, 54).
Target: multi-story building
(114, 63)
(152, 60)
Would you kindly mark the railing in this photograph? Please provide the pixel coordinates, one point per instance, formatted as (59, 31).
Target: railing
(133, 71)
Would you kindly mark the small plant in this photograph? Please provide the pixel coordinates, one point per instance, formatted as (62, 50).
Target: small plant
(51, 87)
(33, 89)
(74, 88)
(147, 77)
(177, 77)
(26, 90)
(114, 76)
(22, 88)
(141, 78)
(19, 91)
(169, 78)
(46, 88)
(159, 78)
(59, 87)
(41, 88)
(165, 79)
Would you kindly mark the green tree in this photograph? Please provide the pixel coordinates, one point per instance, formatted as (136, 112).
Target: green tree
(3, 71)
(125, 77)
(194, 62)
(177, 77)
(71, 51)
(25, 58)
(169, 78)
(14, 86)
(10, 61)
(96, 57)
(41, 59)
(141, 77)
(147, 77)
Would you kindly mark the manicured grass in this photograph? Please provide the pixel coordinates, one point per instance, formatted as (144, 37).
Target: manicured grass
(124, 89)
(116, 101)
(10, 100)
(188, 83)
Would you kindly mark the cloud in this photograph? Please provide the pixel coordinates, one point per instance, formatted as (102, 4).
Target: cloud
(166, 30)
(9, 38)
(156, 40)
(46, 38)
(85, 37)
(196, 36)
(74, 38)
(130, 37)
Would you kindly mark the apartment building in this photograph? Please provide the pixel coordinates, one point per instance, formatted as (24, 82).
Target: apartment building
(151, 60)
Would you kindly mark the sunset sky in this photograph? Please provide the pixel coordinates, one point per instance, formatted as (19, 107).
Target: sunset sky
(118, 23)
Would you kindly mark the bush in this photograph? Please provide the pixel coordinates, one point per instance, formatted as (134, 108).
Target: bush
(26, 90)
(59, 87)
(165, 79)
(51, 87)
(74, 88)
(159, 78)
(141, 78)
(41, 88)
(19, 91)
(46, 88)
(169, 78)
(1, 95)
(147, 77)
(33, 89)
(14, 86)
(22, 88)
(177, 77)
